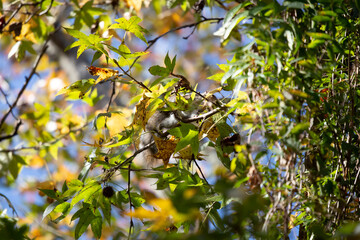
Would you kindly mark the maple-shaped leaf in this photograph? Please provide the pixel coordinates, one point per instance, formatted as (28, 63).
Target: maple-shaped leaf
(166, 148)
(165, 214)
(209, 128)
(130, 25)
(103, 73)
(92, 41)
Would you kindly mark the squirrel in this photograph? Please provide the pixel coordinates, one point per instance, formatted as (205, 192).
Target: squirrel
(162, 121)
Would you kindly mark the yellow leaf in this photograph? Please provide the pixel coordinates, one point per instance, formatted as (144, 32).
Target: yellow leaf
(118, 121)
(246, 108)
(165, 214)
(141, 115)
(63, 173)
(36, 162)
(186, 154)
(242, 95)
(136, 4)
(103, 73)
(26, 33)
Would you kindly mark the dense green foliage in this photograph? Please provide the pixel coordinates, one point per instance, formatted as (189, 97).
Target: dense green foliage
(272, 151)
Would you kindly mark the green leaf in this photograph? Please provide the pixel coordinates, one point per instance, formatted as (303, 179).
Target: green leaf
(216, 219)
(232, 19)
(136, 199)
(130, 25)
(120, 143)
(92, 41)
(300, 127)
(20, 48)
(319, 35)
(50, 208)
(96, 226)
(84, 171)
(75, 33)
(73, 187)
(88, 192)
(14, 168)
(80, 88)
(188, 134)
(105, 206)
(49, 192)
(159, 71)
(64, 208)
(294, 4)
(86, 217)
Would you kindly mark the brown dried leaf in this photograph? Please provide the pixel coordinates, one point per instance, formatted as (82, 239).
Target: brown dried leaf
(103, 73)
(141, 115)
(255, 178)
(166, 148)
(210, 129)
(186, 154)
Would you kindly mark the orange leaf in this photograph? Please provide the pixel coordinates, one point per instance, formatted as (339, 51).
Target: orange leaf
(166, 148)
(36, 162)
(136, 4)
(103, 73)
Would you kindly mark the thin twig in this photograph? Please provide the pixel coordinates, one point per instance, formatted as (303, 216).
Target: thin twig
(27, 81)
(7, 102)
(130, 202)
(38, 147)
(153, 41)
(183, 78)
(14, 133)
(201, 172)
(111, 97)
(110, 172)
(197, 118)
(138, 82)
(9, 203)
(21, 5)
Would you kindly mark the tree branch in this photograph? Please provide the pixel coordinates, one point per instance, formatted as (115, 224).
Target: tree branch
(27, 81)
(125, 72)
(9, 203)
(38, 147)
(15, 132)
(111, 97)
(110, 172)
(153, 41)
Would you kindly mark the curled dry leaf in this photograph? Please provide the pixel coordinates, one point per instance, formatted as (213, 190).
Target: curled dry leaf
(103, 73)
